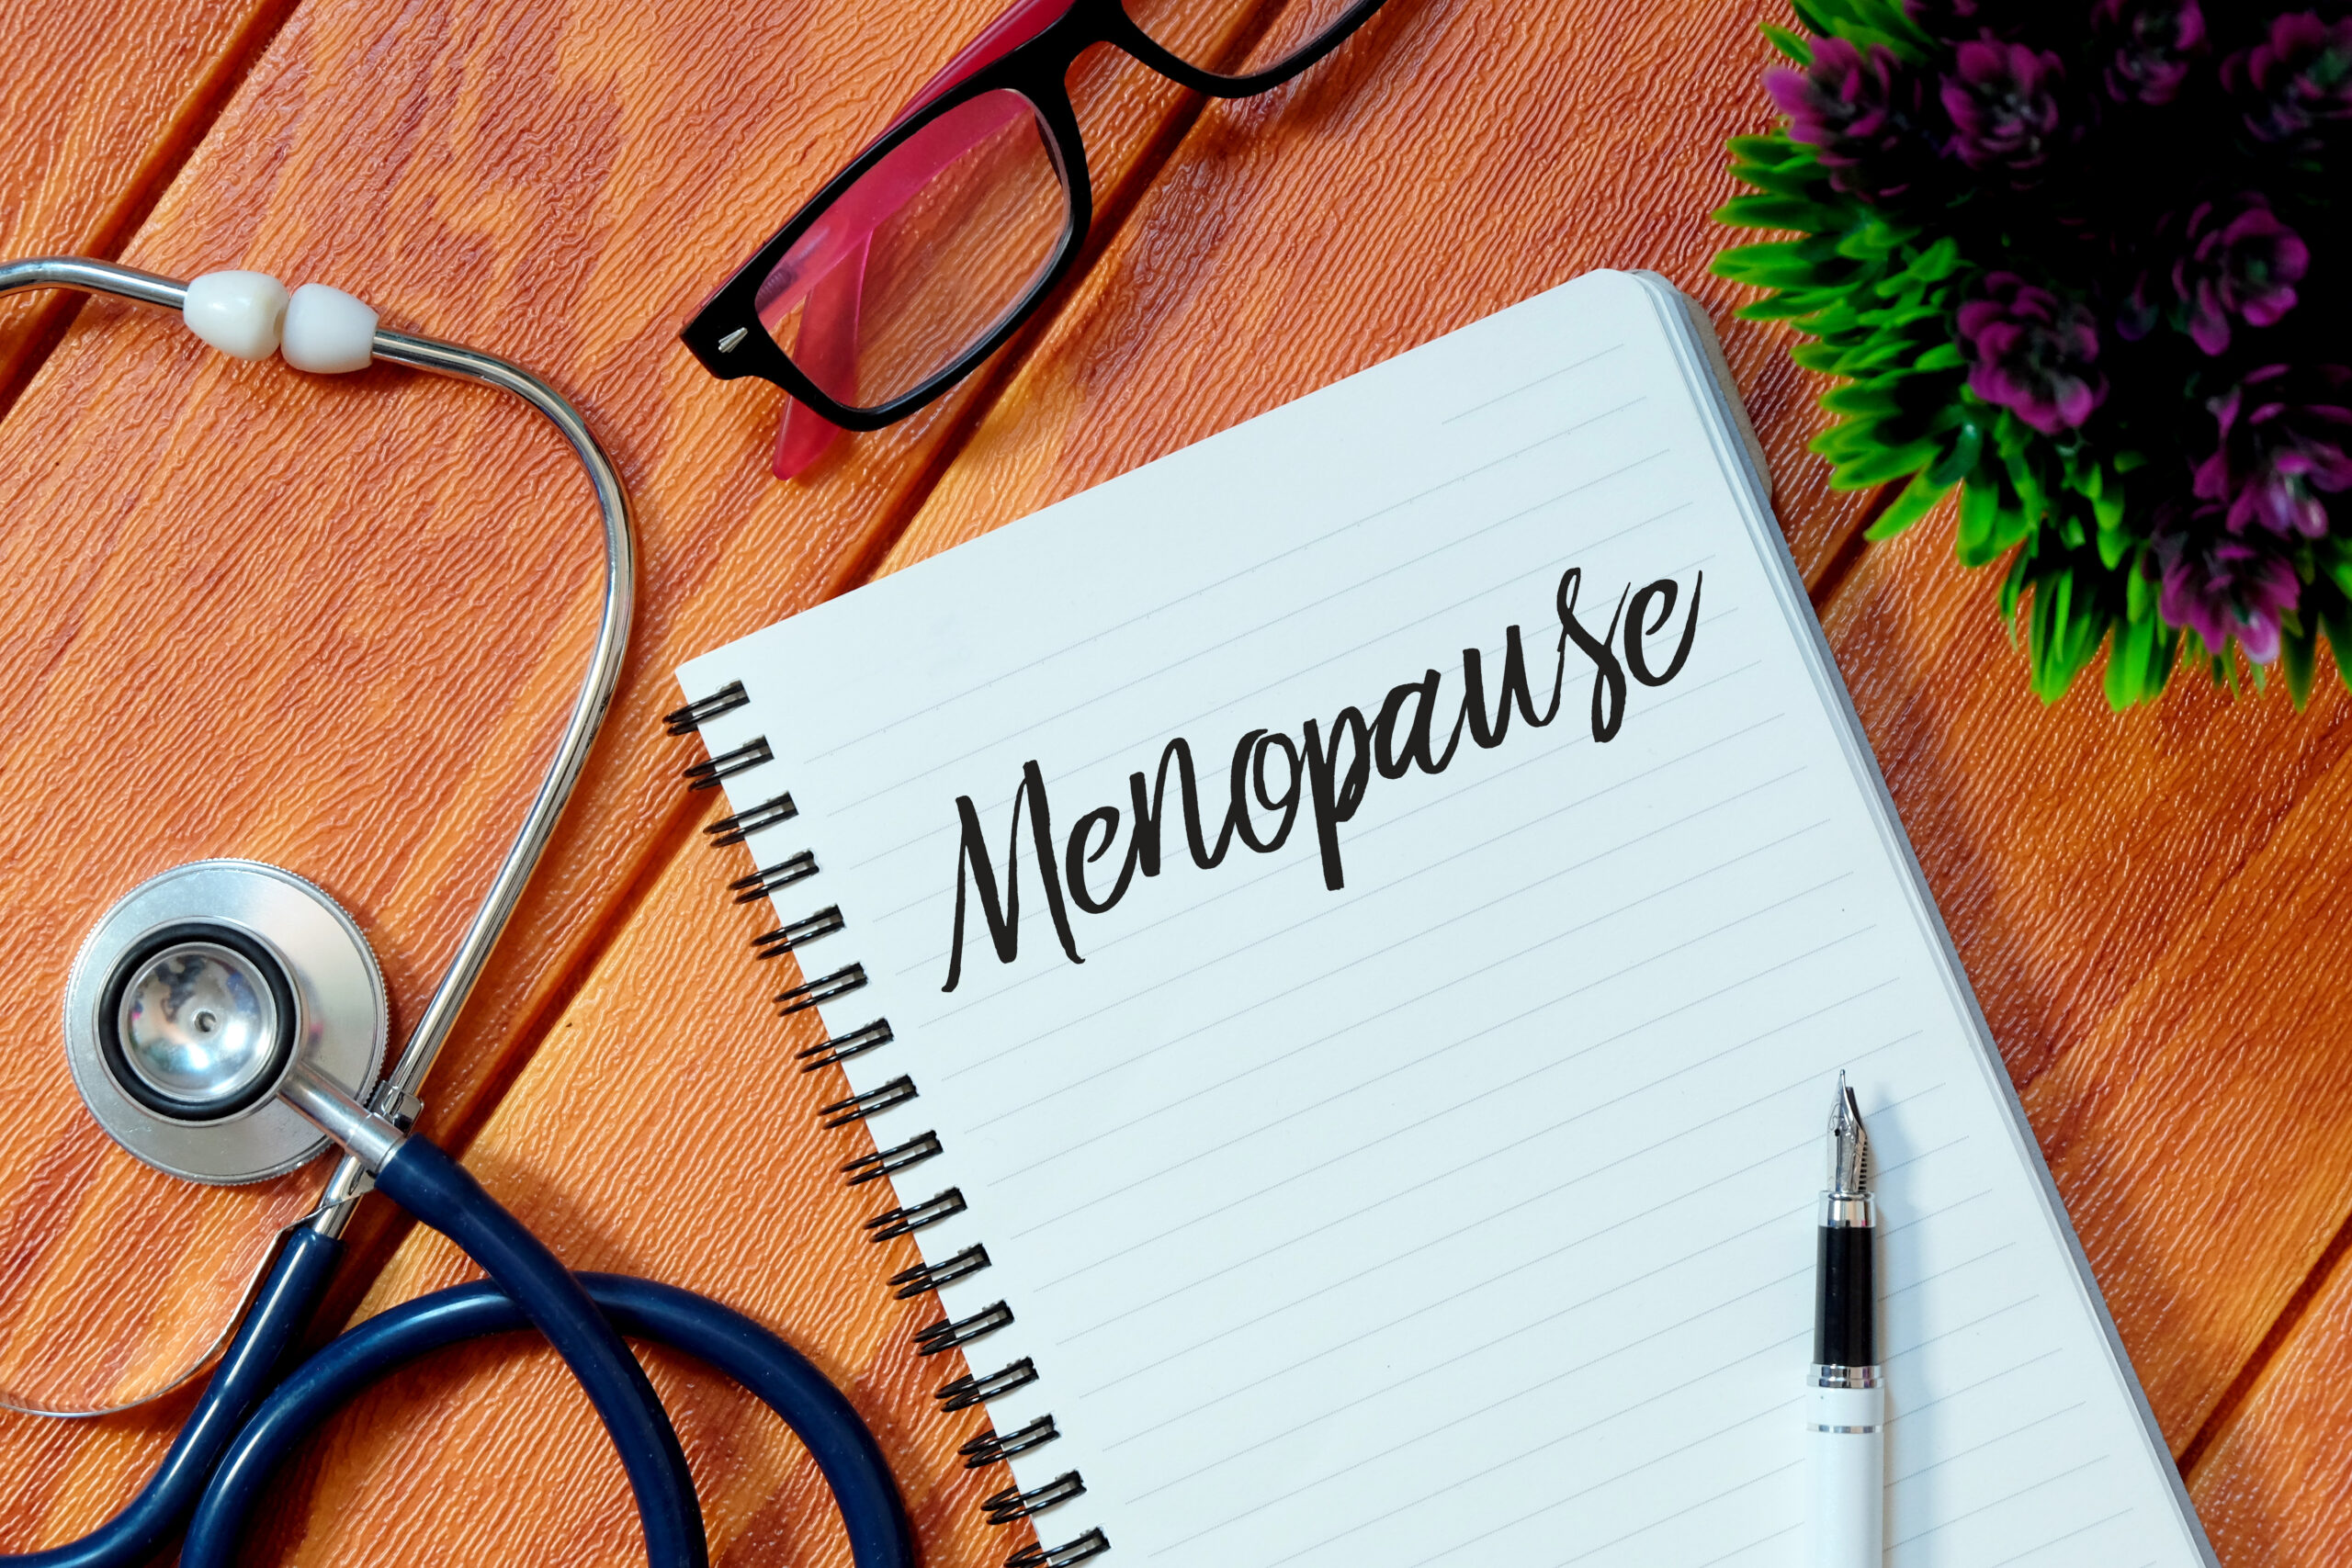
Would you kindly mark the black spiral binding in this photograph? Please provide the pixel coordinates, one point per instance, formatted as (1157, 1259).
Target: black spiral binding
(1010, 1505)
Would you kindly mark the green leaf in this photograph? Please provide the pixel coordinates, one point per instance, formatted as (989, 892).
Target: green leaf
(2010, 434)
(1943, 357)
(1979, 510)
(1883, 466)
(2298, 654)
(1780, 264)
(1960, 458)
(1805, 180)
(2013, 587)
(2337, 621)
(1784, 308)
(1864, 397)
(1817, 20)
(2338, 569)
(2127, 663)
(2139, 592)
(1937, 262)
(1780, 213)
(1917, 500)
(1788, 43)
(2032, 498)
(1773, 151)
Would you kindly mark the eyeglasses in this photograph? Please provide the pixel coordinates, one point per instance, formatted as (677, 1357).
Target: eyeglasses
(921, 258)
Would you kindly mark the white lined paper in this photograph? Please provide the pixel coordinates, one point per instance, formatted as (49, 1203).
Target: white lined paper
(1463, 1212)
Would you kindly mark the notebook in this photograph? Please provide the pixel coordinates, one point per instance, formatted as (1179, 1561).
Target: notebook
(1344, 939)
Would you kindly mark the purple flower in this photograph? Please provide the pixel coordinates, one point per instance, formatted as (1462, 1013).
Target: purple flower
(2004, 103)
(2241, 264)
(2294, 80)
(2032, 352)
(2221, 586)
(1858, 111)
(2283, 442)
(2150, 44)
(2233, 262)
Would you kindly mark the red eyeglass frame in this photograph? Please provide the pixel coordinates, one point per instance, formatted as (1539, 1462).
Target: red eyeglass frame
(1028, 51)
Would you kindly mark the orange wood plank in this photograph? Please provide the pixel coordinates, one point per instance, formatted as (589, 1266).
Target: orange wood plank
(381, 587)
(101, 101)
(1454, 158)
(2271, 1486)
(2149, 907)
(645, 1188)
(659, 1131)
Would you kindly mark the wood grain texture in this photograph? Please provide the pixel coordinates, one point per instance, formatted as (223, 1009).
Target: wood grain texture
(1452, 159)
(2148, 907)
(2272, 1488)
(100, 102)
(661, 1130)
(636, 1181)
(2144, 904)
(334, 624)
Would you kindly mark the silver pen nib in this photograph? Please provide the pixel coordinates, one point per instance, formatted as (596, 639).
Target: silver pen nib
(1850, 1168)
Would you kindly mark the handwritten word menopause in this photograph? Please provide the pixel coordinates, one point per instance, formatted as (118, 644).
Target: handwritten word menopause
(1323, 773)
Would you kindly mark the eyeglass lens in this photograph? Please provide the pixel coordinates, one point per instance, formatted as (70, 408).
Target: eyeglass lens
(1204, 36)
(933, 246)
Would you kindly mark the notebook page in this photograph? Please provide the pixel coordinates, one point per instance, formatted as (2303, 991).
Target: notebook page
(1432, 1183)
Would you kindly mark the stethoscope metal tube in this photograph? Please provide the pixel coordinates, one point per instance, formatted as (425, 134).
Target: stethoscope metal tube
(397, 1096)
(218, 992)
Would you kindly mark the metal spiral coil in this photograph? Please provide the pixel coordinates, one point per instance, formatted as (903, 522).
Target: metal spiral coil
(891, 1162)
(797, 933)
(1010, 1504)
(924, 1278)
(713, 770)
(842, 1047)
(989, 1449)
(816, 992)
(954, 1334)
(873, 1102)
(691, 718)
(907, 1219)
(731, 831)
(962, 1394)
(768, 881)
(1093, 1543)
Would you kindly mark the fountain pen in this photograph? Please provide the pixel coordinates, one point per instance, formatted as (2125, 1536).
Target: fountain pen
(1847, 1404)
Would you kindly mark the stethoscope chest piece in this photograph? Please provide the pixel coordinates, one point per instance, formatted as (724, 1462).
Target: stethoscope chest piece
(195, 997)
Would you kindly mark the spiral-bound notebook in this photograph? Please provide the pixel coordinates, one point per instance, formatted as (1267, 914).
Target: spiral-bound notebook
(1342, 938)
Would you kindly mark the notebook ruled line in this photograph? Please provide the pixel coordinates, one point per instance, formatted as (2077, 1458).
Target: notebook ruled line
(1253, 570)
(1550, 1319)
(1566, 995)
(1433, 1184)
(1420, 935)
(1331, 907)
(1490, 1281)
(2006, 1497)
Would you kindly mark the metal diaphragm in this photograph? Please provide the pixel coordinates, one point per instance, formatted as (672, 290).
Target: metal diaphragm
(192, 999)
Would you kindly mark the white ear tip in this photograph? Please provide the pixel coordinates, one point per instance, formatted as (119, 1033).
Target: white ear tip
(328, 332)
(240, 313)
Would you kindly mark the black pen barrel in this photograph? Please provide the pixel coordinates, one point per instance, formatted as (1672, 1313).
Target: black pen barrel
(1844, 1299)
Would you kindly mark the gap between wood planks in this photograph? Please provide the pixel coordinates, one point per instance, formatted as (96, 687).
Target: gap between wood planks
(368, 1253)
(190, 123)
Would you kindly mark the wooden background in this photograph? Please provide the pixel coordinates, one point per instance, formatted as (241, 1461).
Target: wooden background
(335, 624)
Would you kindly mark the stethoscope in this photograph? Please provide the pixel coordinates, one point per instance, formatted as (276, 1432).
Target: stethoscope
(226, 1022)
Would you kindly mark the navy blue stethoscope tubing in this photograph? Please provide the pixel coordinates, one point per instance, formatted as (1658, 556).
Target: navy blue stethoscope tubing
(250, 1418)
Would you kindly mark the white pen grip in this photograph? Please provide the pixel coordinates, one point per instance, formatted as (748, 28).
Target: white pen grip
(1849, 1476)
